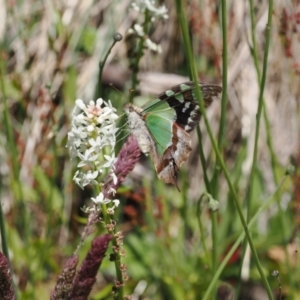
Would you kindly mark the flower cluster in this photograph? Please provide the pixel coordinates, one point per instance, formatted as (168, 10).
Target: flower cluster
(155, 13)
(92, 139)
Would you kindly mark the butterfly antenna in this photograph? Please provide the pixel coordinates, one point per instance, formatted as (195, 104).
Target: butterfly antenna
(112, 86)
(121, 129)
(116, 89)
(120, 116)
(123, 137)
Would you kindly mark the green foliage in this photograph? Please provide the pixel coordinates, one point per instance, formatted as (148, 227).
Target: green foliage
(87, 41)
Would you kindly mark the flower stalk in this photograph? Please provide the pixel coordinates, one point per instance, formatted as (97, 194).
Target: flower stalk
(147, 13)
(92, 140)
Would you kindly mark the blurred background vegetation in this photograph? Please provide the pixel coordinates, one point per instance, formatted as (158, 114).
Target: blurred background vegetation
(50, 54)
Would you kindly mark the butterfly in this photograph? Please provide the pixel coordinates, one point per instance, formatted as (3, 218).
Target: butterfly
(162, 126)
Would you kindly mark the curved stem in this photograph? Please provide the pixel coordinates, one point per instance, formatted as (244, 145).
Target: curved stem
(117, 38)
(215, 146)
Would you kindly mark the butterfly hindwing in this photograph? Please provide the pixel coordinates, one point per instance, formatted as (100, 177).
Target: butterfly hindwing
(160, 129)
(168, 165)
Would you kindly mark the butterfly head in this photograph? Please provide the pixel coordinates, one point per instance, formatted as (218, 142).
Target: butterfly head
(128, 108)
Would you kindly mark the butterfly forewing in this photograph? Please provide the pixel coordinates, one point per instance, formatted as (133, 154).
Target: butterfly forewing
(182, 99)
(161, 108)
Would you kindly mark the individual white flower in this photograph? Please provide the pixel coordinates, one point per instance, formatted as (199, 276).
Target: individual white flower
(82, 179)
(114, 177)
(100, 199)
(87, 158)
(152, 46)
(108, 130)
(116, 202)
(80, 104)
(90, 128)
(110, 160)
(130, 31)
(112, 191)
(95, 143)
(139, 30)
(111, 210)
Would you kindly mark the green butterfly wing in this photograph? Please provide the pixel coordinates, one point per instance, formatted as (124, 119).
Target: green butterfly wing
(159, 107)
(159, 118)
(160, 127)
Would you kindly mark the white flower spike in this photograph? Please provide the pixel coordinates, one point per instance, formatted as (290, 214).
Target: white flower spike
(92, 139)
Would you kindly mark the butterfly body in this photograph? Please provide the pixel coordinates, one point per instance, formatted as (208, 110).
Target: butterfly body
(162, 126)
(138, 128)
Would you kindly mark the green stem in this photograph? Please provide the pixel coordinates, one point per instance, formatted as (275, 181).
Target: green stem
(254, 45)
(207, 256)
(117, 38)
(253, 51)
(224, 262)
(282, 215)
(259, 109)
(203, 160)
(213, 213)
(215, 178)
(108, 221)
(184, 29)
(224, 77)
(217, 170)
(261, 83)
(139, 54)
(215, 146)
